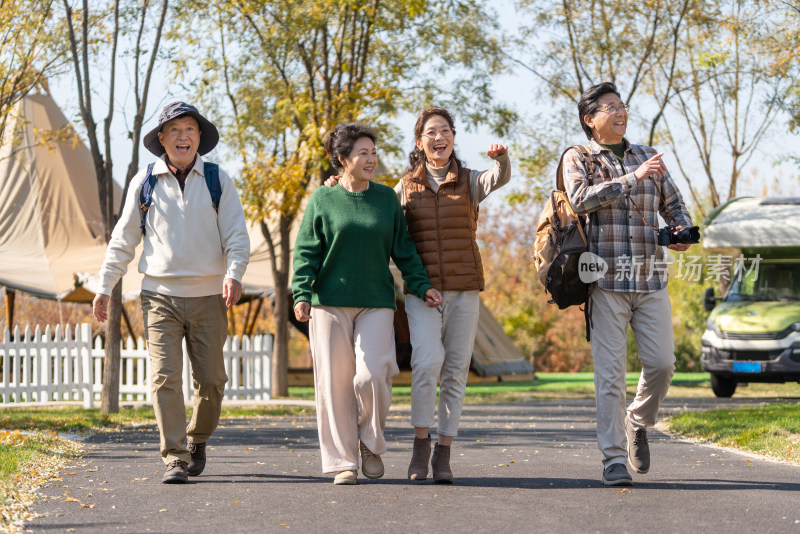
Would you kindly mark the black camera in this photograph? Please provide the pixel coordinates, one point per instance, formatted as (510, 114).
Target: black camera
(669, 235)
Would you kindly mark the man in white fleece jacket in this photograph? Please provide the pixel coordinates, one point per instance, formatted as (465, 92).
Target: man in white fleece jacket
(194, 256)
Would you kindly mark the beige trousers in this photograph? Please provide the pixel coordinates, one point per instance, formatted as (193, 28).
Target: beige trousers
(442, 339)
(650, 317)
(354, 363)
(203, 322)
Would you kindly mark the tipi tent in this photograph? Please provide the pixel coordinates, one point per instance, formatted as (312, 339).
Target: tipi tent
(50, 219)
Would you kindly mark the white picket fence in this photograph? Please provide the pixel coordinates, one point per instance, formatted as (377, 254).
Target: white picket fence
(58, 366)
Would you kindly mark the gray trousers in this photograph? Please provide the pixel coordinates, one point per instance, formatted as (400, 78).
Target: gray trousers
(441, 340)
(650, 317)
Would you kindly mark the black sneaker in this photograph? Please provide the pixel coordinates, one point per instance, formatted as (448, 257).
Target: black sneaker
(638, 448)
(617, 475)
(198, 460)
(176, 473)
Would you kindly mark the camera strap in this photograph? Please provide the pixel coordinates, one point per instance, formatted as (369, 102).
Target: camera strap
(661, 196)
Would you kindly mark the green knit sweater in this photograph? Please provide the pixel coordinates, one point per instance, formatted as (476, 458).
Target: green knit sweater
(341, 256)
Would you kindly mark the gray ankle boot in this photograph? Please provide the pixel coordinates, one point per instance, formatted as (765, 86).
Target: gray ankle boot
(441, 464)
(421, 455)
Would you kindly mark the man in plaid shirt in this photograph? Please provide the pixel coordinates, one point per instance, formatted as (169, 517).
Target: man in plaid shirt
(627, 189)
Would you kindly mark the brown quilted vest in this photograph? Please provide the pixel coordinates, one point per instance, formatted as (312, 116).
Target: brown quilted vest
(443, 226)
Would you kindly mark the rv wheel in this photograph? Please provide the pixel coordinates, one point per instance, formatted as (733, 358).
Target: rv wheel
(722, 386)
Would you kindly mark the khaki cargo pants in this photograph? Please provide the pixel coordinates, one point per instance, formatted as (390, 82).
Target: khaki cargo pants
(203, 322)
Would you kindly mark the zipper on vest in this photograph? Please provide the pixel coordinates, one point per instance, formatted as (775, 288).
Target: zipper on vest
(439, 239)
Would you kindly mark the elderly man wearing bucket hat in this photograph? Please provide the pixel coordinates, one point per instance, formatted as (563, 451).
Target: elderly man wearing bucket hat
(195, 252)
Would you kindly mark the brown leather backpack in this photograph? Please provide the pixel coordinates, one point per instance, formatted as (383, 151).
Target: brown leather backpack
(561, 238)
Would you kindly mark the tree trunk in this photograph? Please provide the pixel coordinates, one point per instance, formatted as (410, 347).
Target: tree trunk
(280, 345)
(280, 305)
(110, 397)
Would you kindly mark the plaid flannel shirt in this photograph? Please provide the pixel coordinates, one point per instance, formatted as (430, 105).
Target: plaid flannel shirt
(617, 232)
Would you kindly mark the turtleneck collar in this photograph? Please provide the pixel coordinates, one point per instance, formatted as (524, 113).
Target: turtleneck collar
(439, 172)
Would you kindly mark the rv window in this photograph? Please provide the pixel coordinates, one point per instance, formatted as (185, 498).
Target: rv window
(771, 282)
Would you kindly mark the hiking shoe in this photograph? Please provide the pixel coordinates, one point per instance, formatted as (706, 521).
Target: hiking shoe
(638, 448)
(198, 461)
(176, 473)
(617, 475)
(371, 464)
(441, 464)
(345, 478)
(420, 458)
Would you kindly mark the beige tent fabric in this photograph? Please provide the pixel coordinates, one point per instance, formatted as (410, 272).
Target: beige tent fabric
(50, 219)
(494, 353)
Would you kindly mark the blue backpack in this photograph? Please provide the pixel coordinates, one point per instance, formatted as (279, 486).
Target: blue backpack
(211, 172)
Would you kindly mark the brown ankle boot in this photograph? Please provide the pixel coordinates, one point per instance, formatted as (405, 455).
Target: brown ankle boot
(421, 455)
(441, 465)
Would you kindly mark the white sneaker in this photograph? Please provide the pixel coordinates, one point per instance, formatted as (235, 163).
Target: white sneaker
(347, 478)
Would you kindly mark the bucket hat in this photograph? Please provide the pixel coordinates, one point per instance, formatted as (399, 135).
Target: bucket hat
(209, 136)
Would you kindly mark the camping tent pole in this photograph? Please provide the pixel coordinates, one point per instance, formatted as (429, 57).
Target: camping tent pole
(127, 322)
(231, 322)
(252, 324)
(10, 295)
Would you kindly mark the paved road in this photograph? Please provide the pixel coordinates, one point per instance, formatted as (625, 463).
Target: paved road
(520, 468)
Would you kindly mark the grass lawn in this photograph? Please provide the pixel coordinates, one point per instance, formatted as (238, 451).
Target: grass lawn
(772, 430)
(545, 386)
(78, 420)
(549, 386)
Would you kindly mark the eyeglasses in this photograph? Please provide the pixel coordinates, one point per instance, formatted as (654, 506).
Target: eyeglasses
(608, 108)
(444, 132)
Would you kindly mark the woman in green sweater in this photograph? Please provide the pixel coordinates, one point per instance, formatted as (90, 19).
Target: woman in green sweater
(341, 269)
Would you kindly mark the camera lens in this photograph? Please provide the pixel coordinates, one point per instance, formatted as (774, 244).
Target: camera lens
(686, 236)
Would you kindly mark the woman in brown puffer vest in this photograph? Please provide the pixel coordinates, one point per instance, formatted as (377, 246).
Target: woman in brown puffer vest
(440, 199)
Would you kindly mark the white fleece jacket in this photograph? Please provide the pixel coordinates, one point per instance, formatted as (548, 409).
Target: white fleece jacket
(188, 247)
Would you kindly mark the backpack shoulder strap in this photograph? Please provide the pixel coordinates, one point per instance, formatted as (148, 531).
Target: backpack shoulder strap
(588, 161)
(146, 193)
(211, 172)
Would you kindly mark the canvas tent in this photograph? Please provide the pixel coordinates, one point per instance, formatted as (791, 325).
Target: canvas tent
(745, 223)
(50, 219)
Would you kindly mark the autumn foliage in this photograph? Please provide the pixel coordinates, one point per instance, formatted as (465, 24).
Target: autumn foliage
(554, 339)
